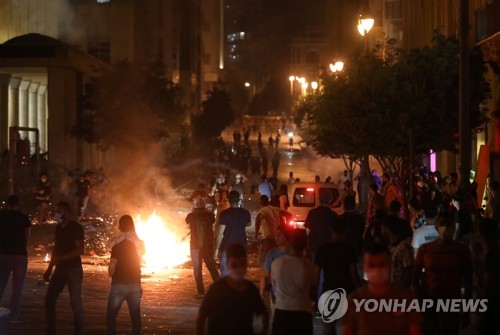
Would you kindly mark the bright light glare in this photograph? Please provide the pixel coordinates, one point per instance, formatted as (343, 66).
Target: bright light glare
(314, 85)
(339, 65)
(291, 78)
(333, 68)
(164, 248)
(247, 84)
(301, 80)
(290, 134)
(310, 189)
(305, 85)
(365, 25)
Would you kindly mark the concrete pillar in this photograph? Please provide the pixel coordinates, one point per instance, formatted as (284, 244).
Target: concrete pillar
(24, 106)
(14, 102)
(42, 116)
(4, 111)
(33, 113)
(62, 106)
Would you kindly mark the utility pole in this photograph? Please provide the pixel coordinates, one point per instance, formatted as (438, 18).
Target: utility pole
(465, 140)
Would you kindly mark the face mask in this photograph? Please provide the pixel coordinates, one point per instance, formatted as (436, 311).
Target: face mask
(58, 217)
(378, 276)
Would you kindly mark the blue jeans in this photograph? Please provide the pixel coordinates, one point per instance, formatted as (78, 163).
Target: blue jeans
(17, 265)
(197, 257)
(73, 278)
(119, 293)
(224, 271)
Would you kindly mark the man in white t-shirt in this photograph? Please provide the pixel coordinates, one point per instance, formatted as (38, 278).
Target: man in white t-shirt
(293, 279)
(426, 233)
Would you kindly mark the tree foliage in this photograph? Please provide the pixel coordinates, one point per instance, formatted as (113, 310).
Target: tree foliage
(381, 96)
(129, 106)
(217, 114)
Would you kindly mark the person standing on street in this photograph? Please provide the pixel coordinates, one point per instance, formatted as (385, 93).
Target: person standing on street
(448, 271)
(233, 222)
(319, 222)
(294, 278)
(15, 229)
(125, 272)
(69, 242)
(232, 302)
(201, 223)
(42, 191)
(268, 218)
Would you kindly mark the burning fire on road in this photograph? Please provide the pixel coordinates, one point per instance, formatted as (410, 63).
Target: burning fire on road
(164, 247)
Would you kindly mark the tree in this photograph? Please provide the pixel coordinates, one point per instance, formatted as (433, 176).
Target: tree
(129, 107)
(216, 115)
(383, 96)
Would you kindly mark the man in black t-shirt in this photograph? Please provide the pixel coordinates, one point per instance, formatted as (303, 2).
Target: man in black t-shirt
(14, 232)
(319, 222)
(232, 302)
(69, 238)
(201, 223)
(125, 273)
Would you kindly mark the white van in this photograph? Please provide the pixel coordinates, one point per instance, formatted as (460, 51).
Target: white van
(305, 196)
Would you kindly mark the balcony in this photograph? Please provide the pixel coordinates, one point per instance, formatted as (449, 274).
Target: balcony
(487, 20)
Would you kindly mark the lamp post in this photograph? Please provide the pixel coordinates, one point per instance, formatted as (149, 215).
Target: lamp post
(291, 79)
(365, 24)
(314, 85)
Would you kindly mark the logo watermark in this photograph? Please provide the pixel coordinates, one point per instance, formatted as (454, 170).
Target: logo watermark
(333, 305)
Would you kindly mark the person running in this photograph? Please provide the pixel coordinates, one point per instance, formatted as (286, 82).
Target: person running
(294, 278)
(448, 268)
(377, 266)
(65, 257)
(125, 272)
(201, 222)
(232, 302)
(233, 222)
(42, 191)
(15, 229)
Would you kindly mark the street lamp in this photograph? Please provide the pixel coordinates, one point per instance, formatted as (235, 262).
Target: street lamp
(301, 80)
(247, 84)
(314, 85)
(305, 85)
(365, 24)
(365, 21)
(337, 66)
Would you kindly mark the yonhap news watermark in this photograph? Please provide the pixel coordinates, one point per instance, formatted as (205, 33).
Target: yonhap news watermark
(333, 305)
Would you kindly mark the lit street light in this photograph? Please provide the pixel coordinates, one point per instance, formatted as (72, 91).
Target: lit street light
(247, 84)
(365, 24)
(301, 80)
(365, 21)
(314, 85)
(305, 85)
(337, 66)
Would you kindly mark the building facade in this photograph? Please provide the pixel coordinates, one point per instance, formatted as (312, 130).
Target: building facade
(183, 34)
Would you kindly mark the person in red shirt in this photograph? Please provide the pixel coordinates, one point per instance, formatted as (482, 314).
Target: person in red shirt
(448, 268)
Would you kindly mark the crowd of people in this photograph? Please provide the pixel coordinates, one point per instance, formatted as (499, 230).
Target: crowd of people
(76, 187)
(441, 247)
